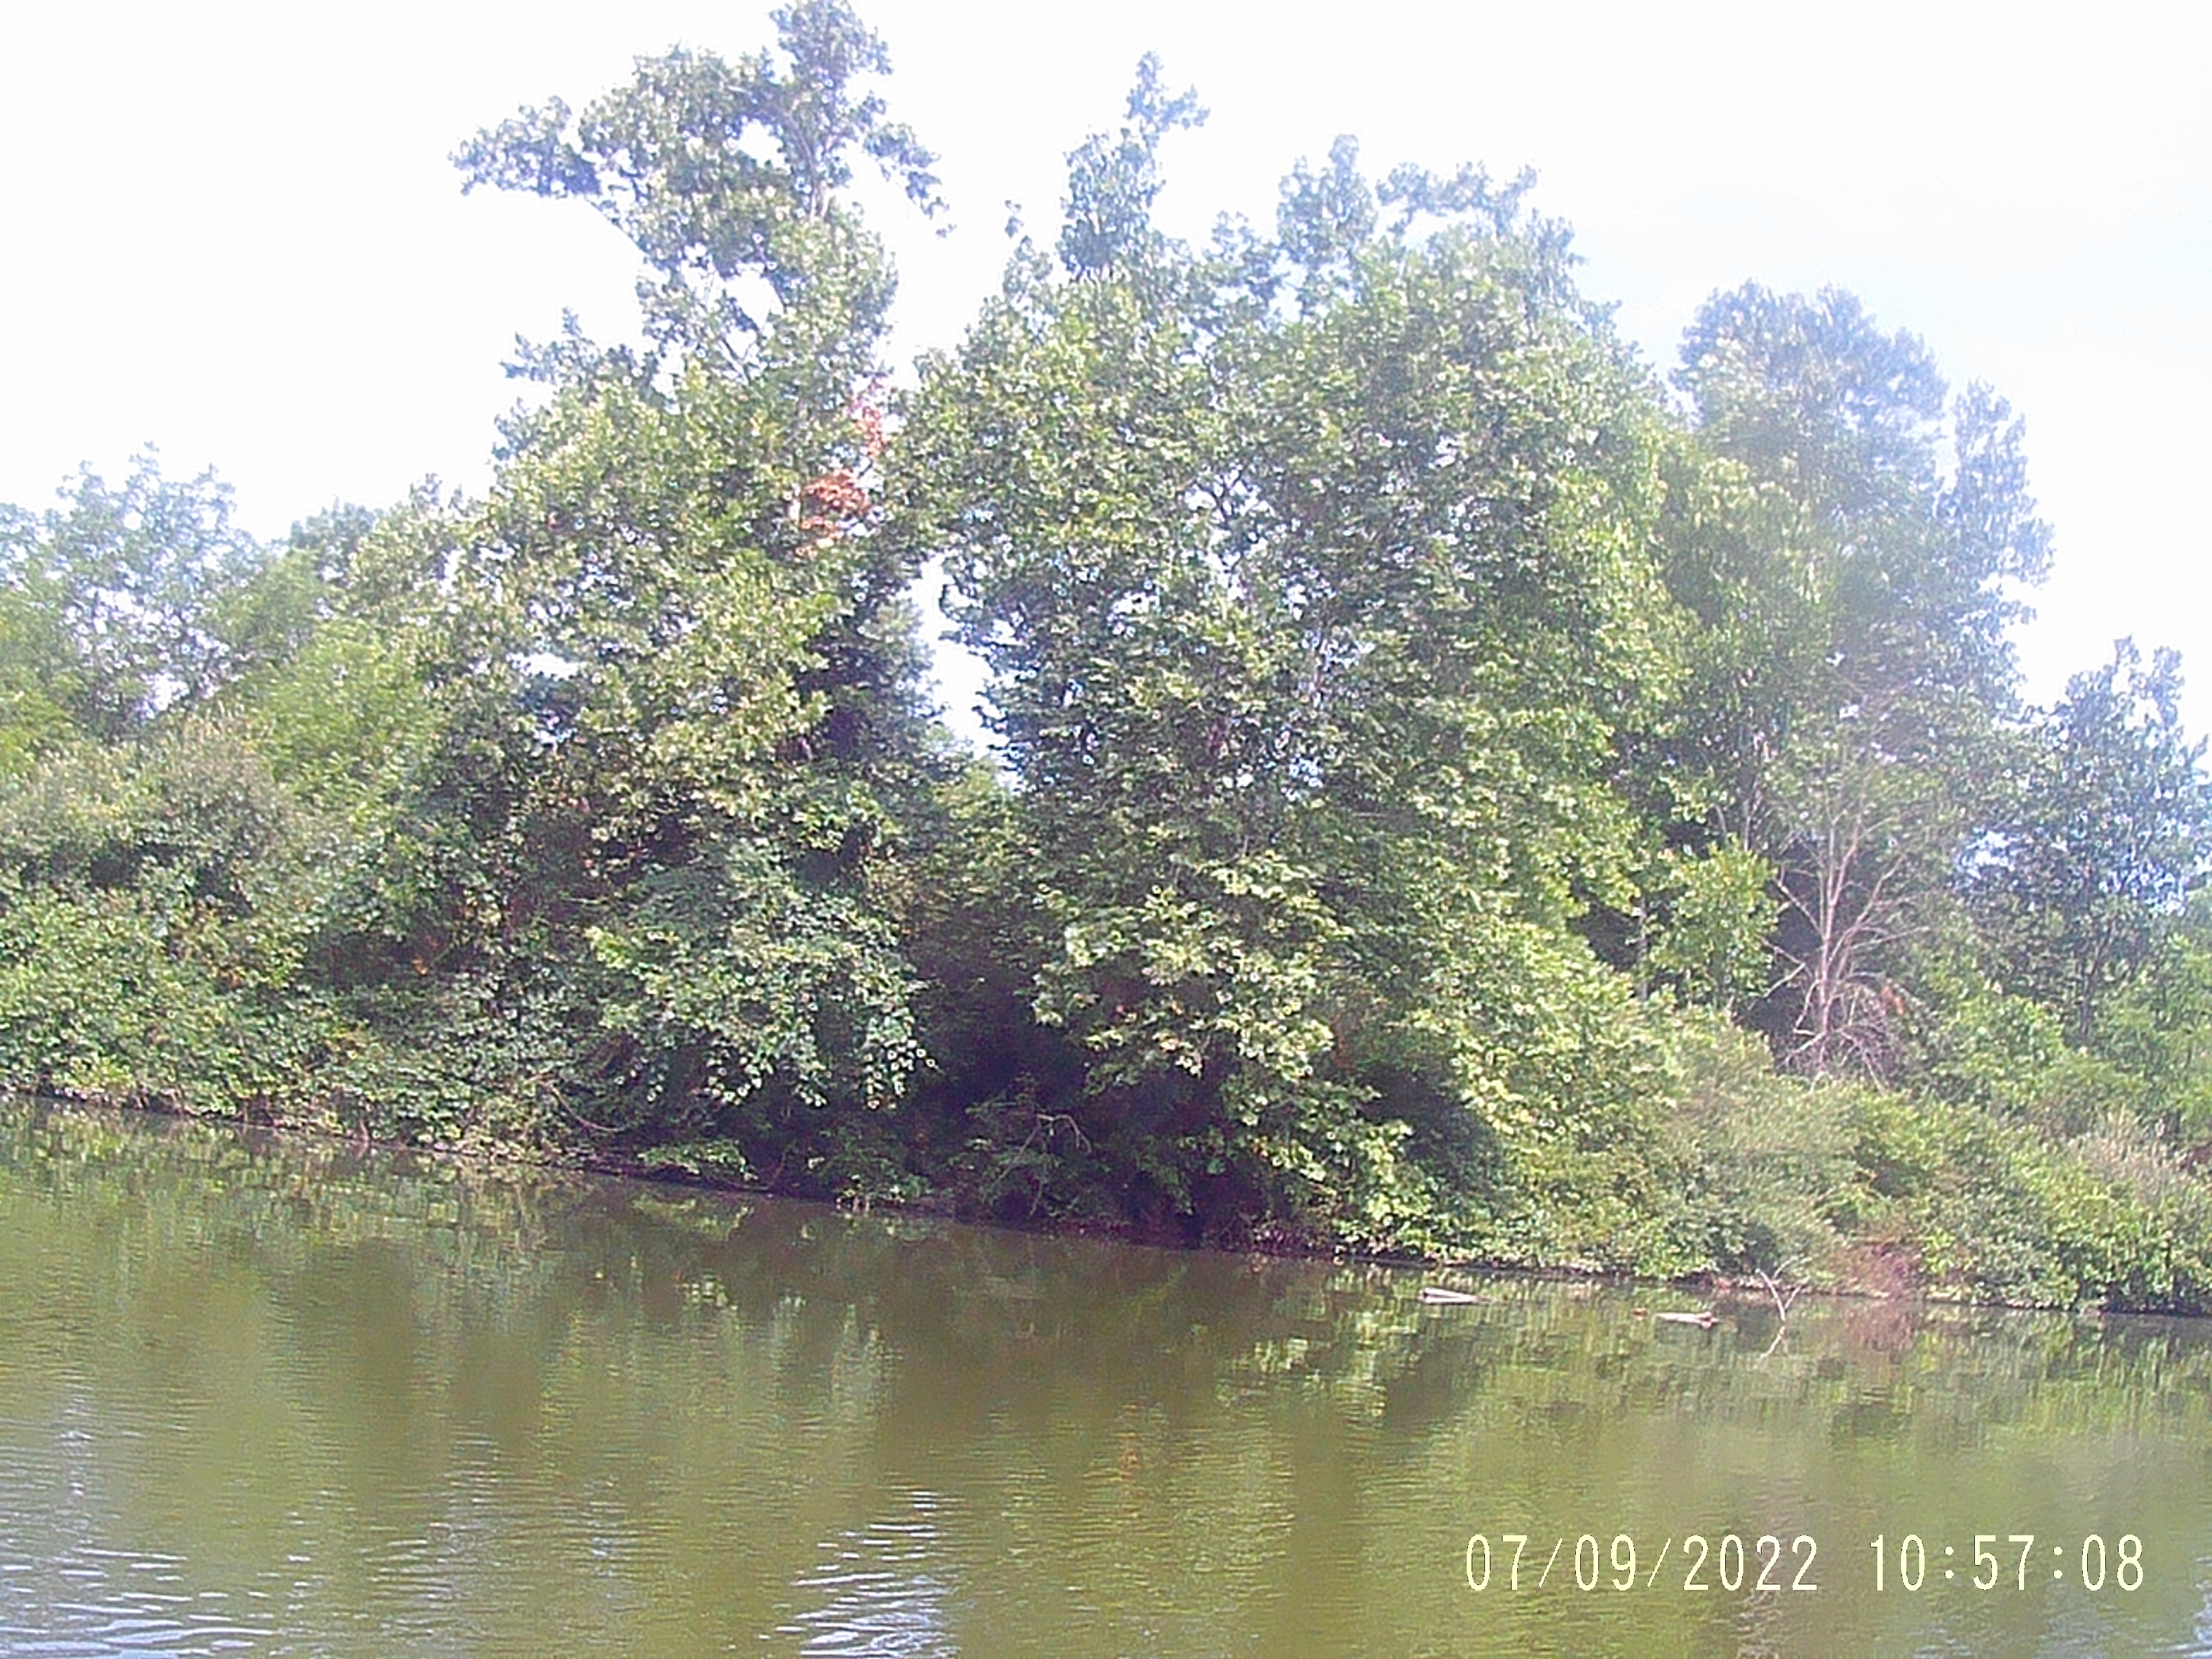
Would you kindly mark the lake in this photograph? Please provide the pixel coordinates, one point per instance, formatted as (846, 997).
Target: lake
(289, 1397)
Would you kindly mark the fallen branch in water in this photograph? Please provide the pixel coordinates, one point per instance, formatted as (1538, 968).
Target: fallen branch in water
(1437, 1296)
(1782, 1304)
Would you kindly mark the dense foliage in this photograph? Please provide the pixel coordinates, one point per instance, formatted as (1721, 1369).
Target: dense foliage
(1452, 795)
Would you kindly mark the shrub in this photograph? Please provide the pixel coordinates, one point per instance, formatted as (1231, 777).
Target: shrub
(1768, 1157)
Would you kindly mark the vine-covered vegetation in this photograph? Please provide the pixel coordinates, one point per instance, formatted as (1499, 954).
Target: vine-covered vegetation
(1456, 794)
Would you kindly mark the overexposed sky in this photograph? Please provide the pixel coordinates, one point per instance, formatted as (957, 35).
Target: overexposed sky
(232, 230)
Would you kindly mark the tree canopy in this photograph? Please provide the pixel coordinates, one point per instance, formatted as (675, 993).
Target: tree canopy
(1452, 795)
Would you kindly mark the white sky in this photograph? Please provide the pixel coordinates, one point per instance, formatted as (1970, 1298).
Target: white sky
(232, 230)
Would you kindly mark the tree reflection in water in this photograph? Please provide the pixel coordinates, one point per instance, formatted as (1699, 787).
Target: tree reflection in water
(364, 1405)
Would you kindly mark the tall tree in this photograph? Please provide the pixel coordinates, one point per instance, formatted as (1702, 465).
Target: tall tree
(705, 670)
(1314, 572)
(1852, 672)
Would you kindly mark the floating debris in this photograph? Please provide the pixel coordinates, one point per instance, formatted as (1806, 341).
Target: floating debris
(1437, 1296)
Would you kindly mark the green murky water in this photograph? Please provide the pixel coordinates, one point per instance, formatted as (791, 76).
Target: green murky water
(279, 1397)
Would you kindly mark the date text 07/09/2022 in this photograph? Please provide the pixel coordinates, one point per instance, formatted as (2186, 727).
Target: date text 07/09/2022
(1731, 1562)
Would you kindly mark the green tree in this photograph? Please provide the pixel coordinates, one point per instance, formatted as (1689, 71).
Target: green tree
(1315, 574)
(1853, 562)
(696, 661)
(727, 177)
(2106, 837)
(105, 603)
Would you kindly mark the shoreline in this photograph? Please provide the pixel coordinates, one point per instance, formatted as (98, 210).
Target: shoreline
(1904, 1286)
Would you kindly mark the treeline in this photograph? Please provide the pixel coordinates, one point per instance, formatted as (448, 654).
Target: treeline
(1456, 794)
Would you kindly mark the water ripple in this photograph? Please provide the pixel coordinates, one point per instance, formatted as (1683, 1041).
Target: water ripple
(879, 1596)
(90, 1602)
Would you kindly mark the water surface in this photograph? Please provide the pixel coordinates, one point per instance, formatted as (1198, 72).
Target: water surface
(285, 1398)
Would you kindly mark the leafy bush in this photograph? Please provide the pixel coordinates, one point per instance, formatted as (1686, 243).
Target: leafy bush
(1998, 1212)
(1769, 1163)
(155, 902)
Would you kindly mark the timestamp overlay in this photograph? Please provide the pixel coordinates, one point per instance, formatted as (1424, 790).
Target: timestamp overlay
(1872, 1480)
